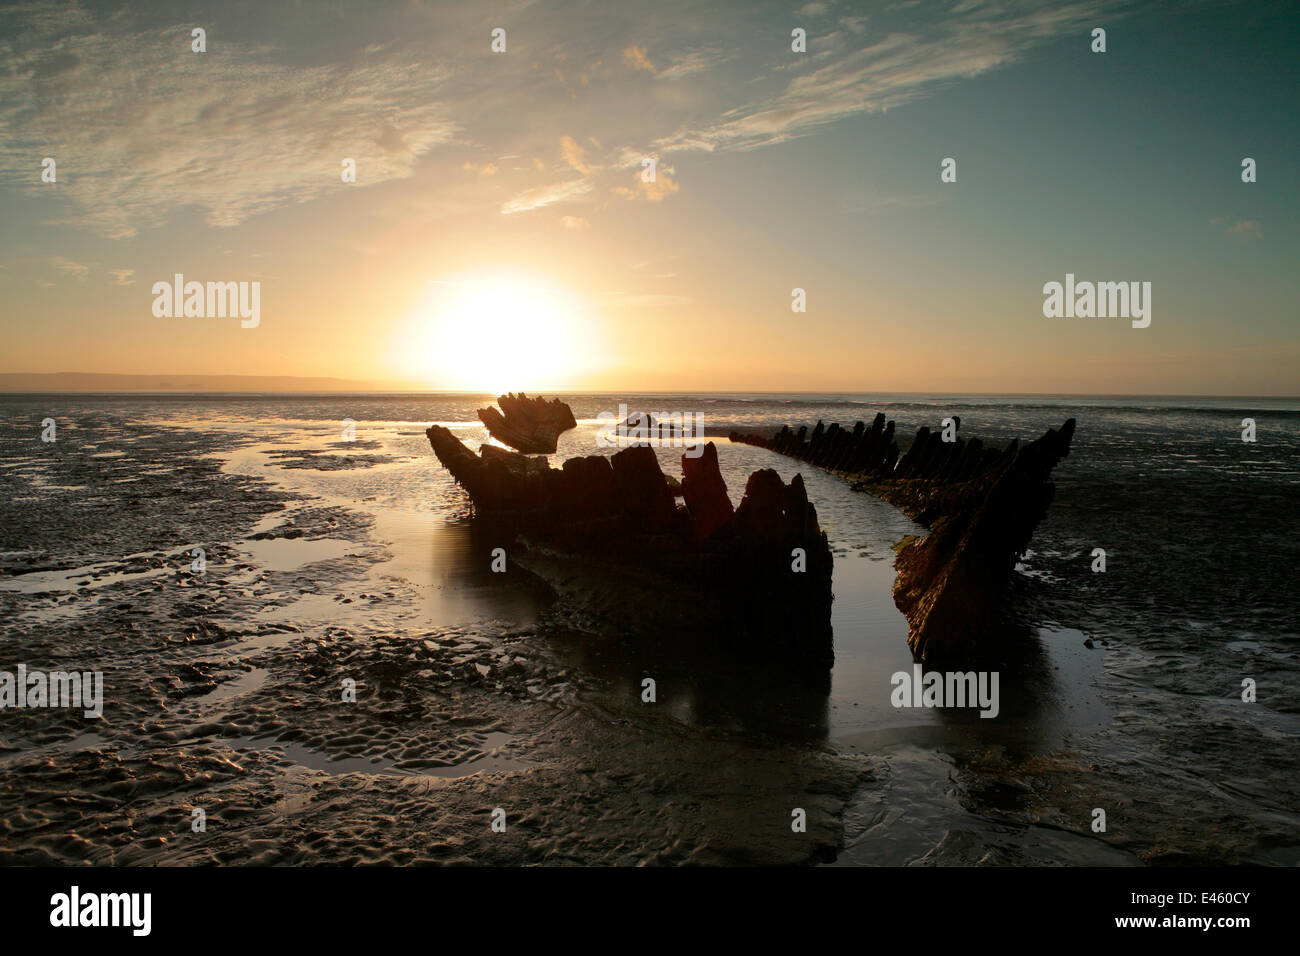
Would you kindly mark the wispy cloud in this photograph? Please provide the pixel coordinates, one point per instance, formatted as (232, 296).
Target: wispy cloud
(542, 196)
(141, 126)
(662, 186)
(636, 58)
(694, 61)
(574, 154)
(967, 41)
(76, 270)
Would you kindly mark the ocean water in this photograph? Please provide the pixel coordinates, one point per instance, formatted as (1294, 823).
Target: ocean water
(1130, 701)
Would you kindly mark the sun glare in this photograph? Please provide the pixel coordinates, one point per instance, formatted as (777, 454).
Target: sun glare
(497, 333)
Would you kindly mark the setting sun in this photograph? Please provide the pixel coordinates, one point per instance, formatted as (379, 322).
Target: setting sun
(497, 332)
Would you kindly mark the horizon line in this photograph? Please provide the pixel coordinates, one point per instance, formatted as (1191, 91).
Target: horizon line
(362, 387)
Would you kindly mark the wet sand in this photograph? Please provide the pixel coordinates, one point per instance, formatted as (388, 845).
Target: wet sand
(331, 561)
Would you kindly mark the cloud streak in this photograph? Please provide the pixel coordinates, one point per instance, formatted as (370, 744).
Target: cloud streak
(542, 196)
(887, 73)
(141, 126)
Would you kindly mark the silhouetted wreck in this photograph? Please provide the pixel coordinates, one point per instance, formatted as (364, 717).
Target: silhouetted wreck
(530, 425)
(980, 504)
(607, 532)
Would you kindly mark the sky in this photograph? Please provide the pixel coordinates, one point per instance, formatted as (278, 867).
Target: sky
(501, 234)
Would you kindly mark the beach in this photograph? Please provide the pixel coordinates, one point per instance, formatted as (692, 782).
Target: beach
(334, 566)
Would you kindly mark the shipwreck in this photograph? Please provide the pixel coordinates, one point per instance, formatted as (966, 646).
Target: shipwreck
(608, 531)
(530, 425)
(980, 504)
(608, 534)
